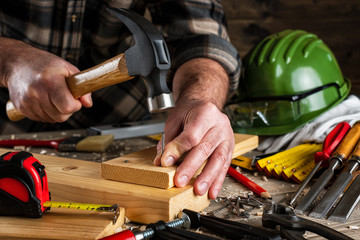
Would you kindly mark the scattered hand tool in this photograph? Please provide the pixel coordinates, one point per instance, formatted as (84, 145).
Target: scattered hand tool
(163, 230)
(68, 144)
(274, 165)
(243, 162)
(347, 203)
(230, 229)
(336, 161)
(24, 188)
(341, 182)
(248, 183)
(331, 141)
(292, 227)
(129, 129)
(148, 58)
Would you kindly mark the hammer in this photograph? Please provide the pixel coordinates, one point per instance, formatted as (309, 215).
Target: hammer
(148, 58)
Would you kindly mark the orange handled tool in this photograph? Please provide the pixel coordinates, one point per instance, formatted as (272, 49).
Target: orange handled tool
(331, 141)
(337, 160)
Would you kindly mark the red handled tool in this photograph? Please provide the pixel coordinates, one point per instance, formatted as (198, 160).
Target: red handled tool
(336, 161)
(331, 141)
(24, 188)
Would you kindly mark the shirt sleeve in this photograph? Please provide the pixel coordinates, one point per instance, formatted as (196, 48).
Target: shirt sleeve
(195, 29)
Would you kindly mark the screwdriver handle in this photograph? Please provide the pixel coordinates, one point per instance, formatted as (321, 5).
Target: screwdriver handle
(124, 235)
(355, 155)
(331, 141)
(347, 145)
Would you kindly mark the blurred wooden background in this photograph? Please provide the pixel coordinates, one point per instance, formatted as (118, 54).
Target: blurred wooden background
(336, 22)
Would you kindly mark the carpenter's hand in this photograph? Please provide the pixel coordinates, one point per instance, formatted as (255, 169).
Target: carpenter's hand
(203, 132)
(36, 83)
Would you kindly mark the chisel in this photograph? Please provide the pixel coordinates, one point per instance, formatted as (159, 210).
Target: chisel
(341, 182)
(331, 142)
(347, 203)
(336, 161)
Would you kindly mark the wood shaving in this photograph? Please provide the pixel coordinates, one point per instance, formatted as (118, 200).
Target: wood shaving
(264, 178)
(127, 220)
(43, 151)
(19, 148)
(352, 227)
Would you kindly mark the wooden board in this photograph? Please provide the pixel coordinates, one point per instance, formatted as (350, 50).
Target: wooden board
(61, 224)
(80, 181)
(138, 167)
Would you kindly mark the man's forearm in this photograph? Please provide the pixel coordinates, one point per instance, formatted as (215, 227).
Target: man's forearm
(201, 79)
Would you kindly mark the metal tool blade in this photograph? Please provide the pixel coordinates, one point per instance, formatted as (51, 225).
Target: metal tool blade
(331, 142)
(129, 129)
(347, 203)
(304, 183)
(337, 159)
(317, 187)
(329, 199)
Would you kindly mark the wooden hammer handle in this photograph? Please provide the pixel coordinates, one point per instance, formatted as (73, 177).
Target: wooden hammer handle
(108, 73)
(347, 145)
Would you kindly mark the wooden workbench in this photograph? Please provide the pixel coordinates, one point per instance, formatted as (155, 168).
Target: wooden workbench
(279, 189)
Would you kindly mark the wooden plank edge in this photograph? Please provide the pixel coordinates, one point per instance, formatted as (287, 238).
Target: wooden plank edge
(137, 168)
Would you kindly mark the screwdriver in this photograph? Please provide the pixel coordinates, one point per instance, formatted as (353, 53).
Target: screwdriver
(336, 161)
(338, 186)
(331, 141)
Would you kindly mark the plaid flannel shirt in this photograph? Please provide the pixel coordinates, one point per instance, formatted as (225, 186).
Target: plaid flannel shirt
(84, 33)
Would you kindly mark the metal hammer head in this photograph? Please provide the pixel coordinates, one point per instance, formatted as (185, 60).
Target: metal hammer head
(148, 58)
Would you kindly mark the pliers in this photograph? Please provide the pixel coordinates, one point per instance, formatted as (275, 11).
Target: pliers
(292, 227)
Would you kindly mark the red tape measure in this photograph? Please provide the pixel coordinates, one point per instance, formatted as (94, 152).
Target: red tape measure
(23, 185)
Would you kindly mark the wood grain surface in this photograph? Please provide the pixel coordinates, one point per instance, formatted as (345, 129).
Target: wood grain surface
(79, 181)
(138, 167)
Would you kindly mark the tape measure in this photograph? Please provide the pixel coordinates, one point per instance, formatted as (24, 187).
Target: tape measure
(24, 188)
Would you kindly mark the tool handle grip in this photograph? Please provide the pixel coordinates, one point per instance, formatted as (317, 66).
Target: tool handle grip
(348, 143)
(108, 73)
(30, 143)
(356, 152)
(124, 235)
(331, 142)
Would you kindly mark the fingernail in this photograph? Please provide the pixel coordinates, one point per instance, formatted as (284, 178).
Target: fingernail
(169, 161)
(202, 188)
(215, 193)
(183, 180)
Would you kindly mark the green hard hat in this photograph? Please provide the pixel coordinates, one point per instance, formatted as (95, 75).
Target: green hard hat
(287, 80)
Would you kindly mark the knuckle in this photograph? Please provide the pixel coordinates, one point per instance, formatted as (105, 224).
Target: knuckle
(62, 118)
(67, 109)
(223, 158)
(205, 148)
(190, 140)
